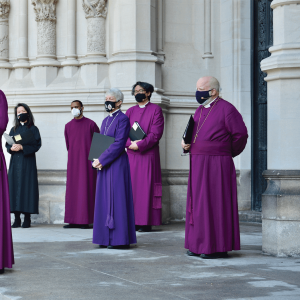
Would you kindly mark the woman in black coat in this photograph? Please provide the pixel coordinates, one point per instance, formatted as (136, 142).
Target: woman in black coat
(22, 174)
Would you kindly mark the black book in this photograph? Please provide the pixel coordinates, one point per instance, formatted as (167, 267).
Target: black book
(188, 133)
(99, 144)
(136, 132)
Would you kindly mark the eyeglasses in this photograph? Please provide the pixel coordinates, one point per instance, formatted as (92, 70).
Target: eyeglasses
(139, 92)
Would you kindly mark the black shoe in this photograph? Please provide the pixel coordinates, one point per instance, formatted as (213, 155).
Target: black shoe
(72, 226)
(27, 221)
(137, 227)
(85, 226)
(2, 271)
(190, 253)
(119, 247)
(102, 246)
(214, 255)
(17, 223)
(146, 228)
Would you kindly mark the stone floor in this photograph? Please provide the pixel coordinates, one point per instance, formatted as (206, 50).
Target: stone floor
(56, 263)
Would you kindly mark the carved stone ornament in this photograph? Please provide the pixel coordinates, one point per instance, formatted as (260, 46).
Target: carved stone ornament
(4, 8)
(94, 8)
(44, 9)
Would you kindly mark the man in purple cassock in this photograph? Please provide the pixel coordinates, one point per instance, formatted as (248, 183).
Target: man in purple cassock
(81, 178)
(212, 221)
(144, 158)
(114, 216)
(6, 246)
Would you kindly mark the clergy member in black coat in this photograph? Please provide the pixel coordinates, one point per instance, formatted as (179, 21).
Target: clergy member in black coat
(22, 174)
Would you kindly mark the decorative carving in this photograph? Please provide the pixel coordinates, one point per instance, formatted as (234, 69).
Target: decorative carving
(4, 8)
(46, 43)
(44, 9)
(96, 35)
(94, 8)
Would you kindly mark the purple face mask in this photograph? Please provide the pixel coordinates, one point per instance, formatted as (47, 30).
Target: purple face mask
(202, 96)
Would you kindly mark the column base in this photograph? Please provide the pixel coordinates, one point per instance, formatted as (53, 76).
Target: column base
(95, 75)
(42, 76)
(281, 213)
(4, 75)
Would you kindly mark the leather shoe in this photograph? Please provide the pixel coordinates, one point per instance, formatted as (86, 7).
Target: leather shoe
(1, 271)
(119, 247)
(102, 246)
(145, 228)
(190, 253)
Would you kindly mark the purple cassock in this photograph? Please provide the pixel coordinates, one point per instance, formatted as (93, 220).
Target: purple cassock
(212, 221)
(6, 246)
(114, 216)
(81, 178)
(145, 164)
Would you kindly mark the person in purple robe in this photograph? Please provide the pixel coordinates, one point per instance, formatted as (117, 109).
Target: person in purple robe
(81, 178)
(114, 216)
(6, 245)
(212, 221)
(144, 158)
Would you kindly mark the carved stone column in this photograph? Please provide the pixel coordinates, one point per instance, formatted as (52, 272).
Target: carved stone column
(44, 69)
(94, 70)
(281, 201)
(95, 13)
(4, 45)
(45, 12)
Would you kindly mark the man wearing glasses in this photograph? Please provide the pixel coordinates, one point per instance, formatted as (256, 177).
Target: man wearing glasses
(144, 158)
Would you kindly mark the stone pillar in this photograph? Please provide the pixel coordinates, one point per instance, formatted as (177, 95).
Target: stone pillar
(5, 66)
(22, 66)
(93, 71)
(45, 11)
(207, 30)
(281, 201)
(71, 63)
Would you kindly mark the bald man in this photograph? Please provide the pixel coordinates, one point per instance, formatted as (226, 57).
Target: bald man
(212, 222)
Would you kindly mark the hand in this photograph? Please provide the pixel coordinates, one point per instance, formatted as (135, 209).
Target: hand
(16, 147)
(96, 164)
(185, 146)
(134, 145)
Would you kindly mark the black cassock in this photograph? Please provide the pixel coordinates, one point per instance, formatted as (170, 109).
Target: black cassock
(22, 174)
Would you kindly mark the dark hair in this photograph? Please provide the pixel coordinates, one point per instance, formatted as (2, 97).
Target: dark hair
(146, 86)
(78, 102)
(30, 121)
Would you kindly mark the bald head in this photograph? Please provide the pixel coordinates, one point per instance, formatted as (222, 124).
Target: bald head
(208, 83)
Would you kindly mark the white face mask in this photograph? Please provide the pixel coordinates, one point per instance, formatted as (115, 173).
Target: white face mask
(76, 112)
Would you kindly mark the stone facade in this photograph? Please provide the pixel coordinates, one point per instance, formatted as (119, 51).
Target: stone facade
(61, 50)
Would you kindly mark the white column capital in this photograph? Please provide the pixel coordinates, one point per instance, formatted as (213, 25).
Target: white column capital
(277, 3)
(95, 8)
(44, 9)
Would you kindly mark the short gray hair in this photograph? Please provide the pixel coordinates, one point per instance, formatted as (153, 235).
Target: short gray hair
(116, 93)
(214, 84)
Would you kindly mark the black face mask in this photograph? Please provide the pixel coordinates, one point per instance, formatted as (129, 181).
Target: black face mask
(109, 106)
(140, 97)
(23, 117)
(202, 96)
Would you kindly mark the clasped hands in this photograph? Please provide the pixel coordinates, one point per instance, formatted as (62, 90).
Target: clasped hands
(16, 147)
(97, 165)
(185, 146)
(134, 145)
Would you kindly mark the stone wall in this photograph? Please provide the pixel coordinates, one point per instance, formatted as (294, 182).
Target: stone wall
(100, 44)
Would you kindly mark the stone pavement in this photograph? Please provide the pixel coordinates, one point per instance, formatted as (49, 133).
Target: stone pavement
(56, 263)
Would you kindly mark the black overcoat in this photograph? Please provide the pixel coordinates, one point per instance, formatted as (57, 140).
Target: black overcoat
(22, 174)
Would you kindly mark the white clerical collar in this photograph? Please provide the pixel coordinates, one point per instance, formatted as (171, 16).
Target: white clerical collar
(143, 106)
(208, 105)
(22, 123)
(112, 114)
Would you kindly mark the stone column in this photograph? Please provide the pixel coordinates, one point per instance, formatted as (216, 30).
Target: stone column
(45, 11)
(5, 66)
(207, 28)
(94, 68)
(22, 66)
(281, 201)
(71, 63)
